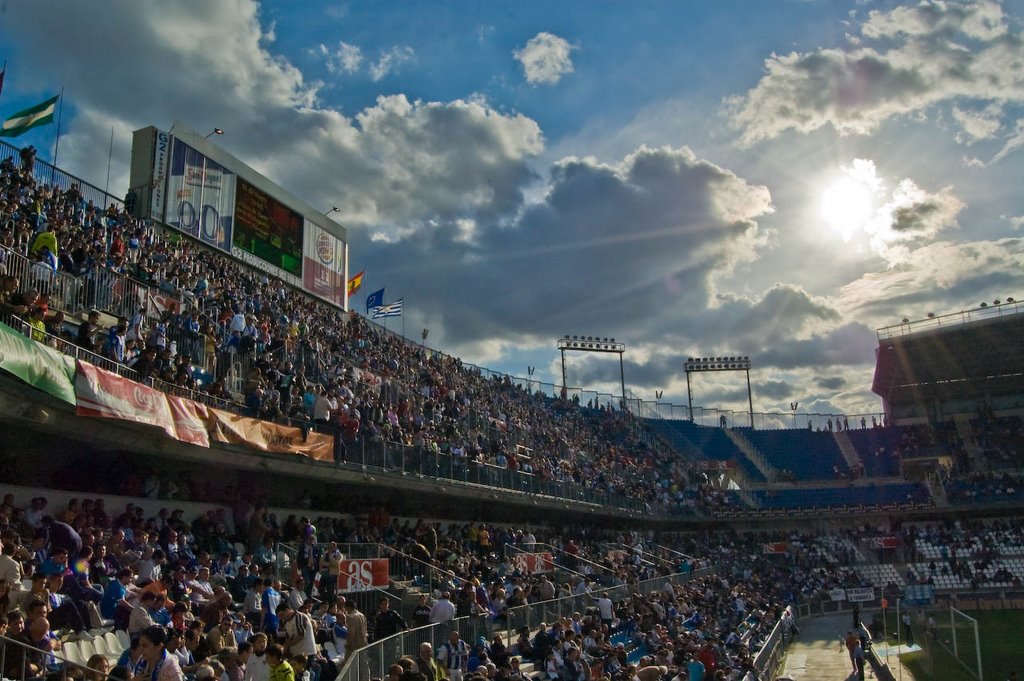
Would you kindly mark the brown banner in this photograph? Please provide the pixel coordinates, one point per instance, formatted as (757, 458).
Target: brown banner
(231, 428)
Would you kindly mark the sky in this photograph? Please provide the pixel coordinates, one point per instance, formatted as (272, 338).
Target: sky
(774, 180)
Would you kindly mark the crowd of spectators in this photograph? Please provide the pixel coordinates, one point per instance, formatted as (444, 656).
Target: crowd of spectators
(304, 360)
(181, 586)
(243, 336)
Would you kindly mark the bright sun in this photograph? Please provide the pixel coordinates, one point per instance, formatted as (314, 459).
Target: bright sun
(847, 205)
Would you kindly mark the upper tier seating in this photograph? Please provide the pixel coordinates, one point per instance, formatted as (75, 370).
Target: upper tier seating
(806, 454)
(878, 450)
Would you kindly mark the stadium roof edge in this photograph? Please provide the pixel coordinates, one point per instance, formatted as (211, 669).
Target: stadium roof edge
(951, 320)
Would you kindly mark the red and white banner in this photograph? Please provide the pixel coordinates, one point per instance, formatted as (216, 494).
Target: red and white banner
(367, 377)
(532, 563)
(104, 393)
(776, 548)
(364, 575)
(189, 420)
(158, 303)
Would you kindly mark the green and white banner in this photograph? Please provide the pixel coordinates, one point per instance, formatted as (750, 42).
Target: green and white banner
(33, 117)
(37, 365)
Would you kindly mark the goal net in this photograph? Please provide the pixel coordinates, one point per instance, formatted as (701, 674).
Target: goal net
(962, 640)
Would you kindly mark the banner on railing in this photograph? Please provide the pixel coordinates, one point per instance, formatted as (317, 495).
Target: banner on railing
(364, 575)
(39, 366)
(776, 548)
(189, 420)
(532, 563)
(859, 595)
(105, 394)
(157, 303)
(367, 377)
(231, 428)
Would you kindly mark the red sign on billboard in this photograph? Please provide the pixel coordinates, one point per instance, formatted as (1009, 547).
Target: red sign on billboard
(532, 563)
(363, 575)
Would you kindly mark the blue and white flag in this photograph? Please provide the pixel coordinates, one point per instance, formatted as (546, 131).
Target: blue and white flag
(374, 300)
(390, 310)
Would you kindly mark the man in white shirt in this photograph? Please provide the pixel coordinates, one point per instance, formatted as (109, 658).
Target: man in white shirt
(454, 656)
(443, 610)
(297, 594)
(10, 569)
(299, 631)
(256, 668)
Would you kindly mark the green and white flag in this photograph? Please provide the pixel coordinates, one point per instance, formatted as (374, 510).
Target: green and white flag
(33, 117)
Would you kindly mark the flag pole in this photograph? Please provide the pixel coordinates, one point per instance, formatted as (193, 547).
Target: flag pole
(110, 155)
(56, 141)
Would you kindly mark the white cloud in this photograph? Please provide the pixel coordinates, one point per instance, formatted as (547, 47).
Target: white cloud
(1016, 221)
(910, 217)
(937, 51)
(545, 58)
(977, 125)
(390, 61)
(396, 163)
(1014, 142)
(938, 277)
(345, 58)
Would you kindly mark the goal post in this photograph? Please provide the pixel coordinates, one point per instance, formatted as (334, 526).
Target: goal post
(966, 641)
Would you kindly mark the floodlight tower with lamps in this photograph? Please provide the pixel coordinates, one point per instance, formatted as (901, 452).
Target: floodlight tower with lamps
(702, 364)
(215, 131)
(593, 344)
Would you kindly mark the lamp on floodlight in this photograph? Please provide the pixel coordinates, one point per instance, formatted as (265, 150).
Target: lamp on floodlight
(334, 209)
(593, 344)
(215, 131)
(734, 363)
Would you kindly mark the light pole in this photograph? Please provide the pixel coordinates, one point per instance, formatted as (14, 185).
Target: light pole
(334, 209)
(529, 383)
(793, 406)
(593, 344)
(702, 364)
(215, 131)
(423, 335)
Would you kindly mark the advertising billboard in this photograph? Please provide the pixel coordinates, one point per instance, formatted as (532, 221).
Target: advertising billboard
(268, 229)
(323, 267)
(161, 150)
(200, 197)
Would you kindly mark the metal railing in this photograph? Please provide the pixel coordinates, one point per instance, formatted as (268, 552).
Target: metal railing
(372, 661)
(46, 173)
(769, 658)
(423, 463)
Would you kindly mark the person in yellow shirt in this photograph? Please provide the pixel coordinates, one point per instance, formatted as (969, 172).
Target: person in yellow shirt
(36, 321)
(48, 239)
(280, 669)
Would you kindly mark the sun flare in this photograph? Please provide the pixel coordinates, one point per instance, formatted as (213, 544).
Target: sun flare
(847, 205)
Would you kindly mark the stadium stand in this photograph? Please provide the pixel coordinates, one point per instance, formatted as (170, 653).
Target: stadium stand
(243, 341)
(801, 454)
(878, 449)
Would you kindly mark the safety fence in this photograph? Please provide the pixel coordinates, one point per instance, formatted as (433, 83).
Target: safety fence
(373, 661)
(48, 174)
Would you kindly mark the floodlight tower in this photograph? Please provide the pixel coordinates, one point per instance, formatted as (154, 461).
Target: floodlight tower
(593, 344)
(701, 364)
